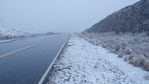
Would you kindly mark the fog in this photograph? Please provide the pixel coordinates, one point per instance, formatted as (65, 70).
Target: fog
(56, 15)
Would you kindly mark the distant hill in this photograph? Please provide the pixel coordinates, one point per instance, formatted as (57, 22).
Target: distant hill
(134, 18)
(4, 31)
(12, 32)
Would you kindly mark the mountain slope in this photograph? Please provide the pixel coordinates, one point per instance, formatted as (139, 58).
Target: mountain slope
(134, 18)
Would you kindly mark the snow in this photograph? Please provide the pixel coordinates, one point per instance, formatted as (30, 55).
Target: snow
(12, 32)
(7, 35)
(84, 63)
(132, 47)
(3, 41)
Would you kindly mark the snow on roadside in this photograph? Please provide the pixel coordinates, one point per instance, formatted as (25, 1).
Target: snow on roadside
(12, 32)
(84, 63)
(7, 35)
(3, 41)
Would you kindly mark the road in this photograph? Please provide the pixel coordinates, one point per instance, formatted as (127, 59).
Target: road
(28, 60)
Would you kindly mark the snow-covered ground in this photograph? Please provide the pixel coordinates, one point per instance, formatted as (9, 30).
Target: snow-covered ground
(132, 47)
(12, 32)
(8, 40)
(83, 63)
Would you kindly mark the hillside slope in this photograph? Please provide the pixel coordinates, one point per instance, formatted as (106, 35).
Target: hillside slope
(134, 18)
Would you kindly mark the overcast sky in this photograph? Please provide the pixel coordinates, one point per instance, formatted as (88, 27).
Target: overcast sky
(57, 15)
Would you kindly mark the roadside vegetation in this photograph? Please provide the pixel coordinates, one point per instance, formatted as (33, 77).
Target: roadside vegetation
(132, 47)
(84, 63)
(7, 37)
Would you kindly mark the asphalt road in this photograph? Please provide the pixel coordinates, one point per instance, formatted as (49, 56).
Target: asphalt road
(28, 60)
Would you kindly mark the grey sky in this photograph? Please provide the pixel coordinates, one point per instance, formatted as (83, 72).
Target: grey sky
(57, 15)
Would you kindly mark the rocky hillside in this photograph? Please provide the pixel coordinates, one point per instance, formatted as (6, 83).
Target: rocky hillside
(134, 18)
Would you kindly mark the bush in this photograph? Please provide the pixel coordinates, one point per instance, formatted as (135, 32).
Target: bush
(137, 60)
(132, 47)
(146, 64)
(127, 51)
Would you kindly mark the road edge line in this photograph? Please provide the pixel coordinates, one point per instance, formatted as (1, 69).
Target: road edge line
(41, 81)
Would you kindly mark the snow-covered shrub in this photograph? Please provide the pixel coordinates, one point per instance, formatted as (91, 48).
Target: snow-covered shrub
(6, 37)
(146, 64)
(127, 50)
(126, 58)
(146, 77)
(132, 47)
(146, 51)
(137, 60)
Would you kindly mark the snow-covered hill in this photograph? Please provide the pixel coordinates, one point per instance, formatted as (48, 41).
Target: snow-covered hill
(7, 31)
(12, 32)
(132, 18)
